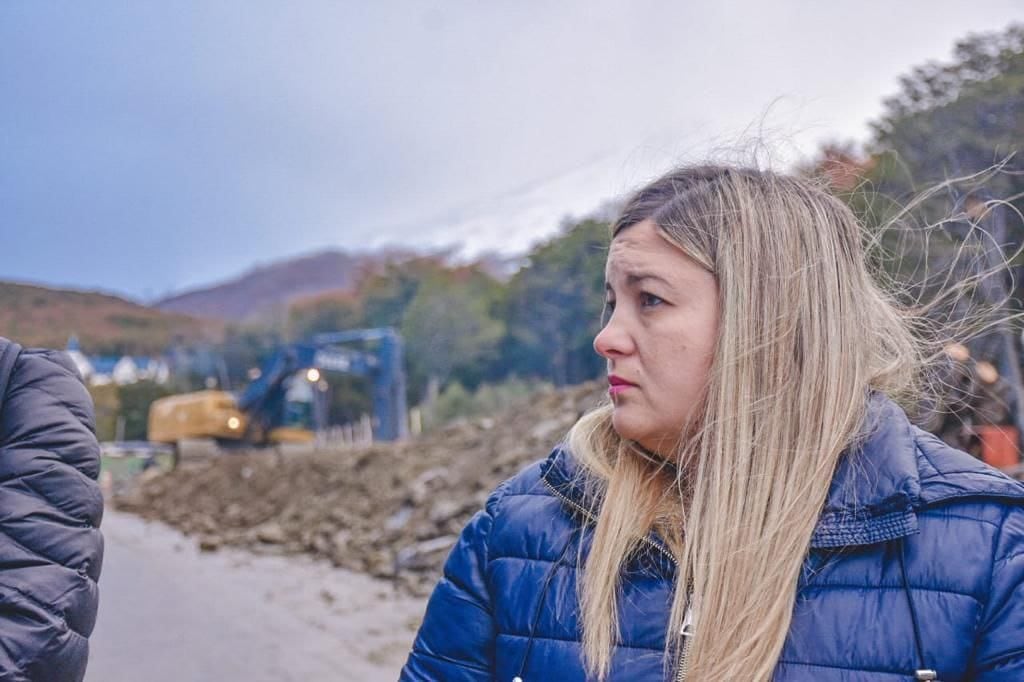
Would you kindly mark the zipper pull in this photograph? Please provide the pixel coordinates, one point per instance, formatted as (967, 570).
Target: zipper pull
(687, 629)
(686, 632)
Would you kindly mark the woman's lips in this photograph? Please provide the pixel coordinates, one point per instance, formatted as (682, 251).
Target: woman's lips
(618, 384)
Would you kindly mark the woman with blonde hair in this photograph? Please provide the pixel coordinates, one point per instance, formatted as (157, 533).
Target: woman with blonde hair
(752, 503)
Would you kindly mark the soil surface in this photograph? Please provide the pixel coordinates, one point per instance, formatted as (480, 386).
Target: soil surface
(391, 511)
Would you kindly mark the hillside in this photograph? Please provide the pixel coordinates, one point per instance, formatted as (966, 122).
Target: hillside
(267, 287)
(39, 316)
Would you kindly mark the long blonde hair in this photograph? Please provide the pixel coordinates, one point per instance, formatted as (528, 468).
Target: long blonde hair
(804, 336)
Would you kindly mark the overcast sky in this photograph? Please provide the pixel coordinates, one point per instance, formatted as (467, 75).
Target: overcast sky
(151, 147)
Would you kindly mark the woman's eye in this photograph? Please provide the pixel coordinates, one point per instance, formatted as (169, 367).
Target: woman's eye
(649, 300)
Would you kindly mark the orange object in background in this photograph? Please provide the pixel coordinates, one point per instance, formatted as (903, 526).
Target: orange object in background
(1000, 445)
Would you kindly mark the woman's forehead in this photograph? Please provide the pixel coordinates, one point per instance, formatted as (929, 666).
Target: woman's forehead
(642, 251)
(638, 241)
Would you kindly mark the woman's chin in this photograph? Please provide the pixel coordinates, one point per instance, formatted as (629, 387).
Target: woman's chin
(639, 432)
(626, 427)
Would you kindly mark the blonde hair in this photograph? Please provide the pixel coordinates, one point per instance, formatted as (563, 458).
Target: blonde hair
(804, 336)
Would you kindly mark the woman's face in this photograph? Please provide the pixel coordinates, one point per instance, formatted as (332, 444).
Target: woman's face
(660, 338)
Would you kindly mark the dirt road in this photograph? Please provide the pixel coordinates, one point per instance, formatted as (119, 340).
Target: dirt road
(169, 612)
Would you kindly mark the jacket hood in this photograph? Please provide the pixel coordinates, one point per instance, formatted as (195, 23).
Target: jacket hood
(877, 486)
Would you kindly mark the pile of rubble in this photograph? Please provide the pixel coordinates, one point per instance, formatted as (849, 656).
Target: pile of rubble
(391, 511)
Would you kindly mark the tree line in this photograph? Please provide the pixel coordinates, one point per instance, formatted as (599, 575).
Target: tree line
(465, 325)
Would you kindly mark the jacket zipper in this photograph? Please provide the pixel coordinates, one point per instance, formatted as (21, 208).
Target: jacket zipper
(686, 633)
(593, 521)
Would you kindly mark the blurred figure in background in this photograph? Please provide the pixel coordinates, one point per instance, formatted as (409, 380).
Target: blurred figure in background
(992, 402)
(971, 408)
(953, 396)
(996, 439)
(51, 549)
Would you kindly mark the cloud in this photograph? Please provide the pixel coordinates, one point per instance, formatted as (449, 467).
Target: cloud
(182, 142)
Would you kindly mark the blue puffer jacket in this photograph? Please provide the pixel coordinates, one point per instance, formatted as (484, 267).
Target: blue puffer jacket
(50, 510)
(917, 563)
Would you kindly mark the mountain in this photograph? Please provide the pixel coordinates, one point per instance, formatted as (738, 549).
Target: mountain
(267, 287)
(39, 316)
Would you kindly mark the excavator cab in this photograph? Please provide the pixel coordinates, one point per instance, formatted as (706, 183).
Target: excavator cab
(297, 421)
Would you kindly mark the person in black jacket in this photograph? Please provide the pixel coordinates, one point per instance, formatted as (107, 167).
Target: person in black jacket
(51, 549)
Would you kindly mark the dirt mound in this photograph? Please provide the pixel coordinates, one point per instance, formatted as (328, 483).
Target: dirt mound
(392, 511)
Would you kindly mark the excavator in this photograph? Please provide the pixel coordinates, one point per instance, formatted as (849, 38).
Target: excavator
(280, 405)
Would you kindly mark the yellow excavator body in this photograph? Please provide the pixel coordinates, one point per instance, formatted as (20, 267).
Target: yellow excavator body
(203, 414)
(290, 434)
(210, 415)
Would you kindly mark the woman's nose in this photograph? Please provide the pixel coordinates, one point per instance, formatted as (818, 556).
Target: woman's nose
(613, 340)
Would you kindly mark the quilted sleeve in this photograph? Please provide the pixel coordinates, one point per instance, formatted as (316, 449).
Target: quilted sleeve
(455, 643)
(50, 509)
(1000, 652)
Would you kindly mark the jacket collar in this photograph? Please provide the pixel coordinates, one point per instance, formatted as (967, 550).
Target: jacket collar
(875, 490)
(876, 485)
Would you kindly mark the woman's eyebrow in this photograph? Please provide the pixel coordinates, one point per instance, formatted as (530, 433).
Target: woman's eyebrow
(634, 278)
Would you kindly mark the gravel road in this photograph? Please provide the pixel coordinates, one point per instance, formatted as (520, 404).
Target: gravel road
(170, 612)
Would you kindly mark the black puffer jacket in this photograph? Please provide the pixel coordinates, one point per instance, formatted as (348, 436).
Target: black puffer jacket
(50, 509)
